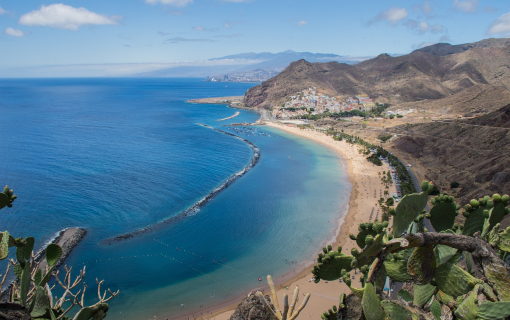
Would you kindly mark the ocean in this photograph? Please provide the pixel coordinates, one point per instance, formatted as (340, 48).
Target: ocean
(117, 155)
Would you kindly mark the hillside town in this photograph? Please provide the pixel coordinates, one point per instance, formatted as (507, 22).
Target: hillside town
(313, 102)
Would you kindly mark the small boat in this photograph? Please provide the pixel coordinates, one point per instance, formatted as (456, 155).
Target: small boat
(260, 279)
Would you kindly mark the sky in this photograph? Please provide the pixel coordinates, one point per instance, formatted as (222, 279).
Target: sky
(119, 37)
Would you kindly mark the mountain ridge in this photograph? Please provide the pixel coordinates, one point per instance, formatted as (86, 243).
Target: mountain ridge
(417, 76)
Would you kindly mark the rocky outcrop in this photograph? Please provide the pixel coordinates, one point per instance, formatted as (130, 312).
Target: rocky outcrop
(251, 309)
(14, 311)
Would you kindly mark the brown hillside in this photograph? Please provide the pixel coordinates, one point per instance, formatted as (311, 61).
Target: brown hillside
(472, 152)
(476, 100)
(414, 77)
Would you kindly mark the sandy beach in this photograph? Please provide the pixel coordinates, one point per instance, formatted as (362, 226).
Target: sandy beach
(367, 188)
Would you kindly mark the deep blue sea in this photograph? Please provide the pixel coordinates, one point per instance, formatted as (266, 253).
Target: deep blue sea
(116, 155)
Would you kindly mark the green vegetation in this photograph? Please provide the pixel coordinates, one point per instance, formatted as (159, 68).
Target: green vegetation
(454, 185)
(378, 110)
(439, 285)
(334, 115)
(31, 290)
(374, 159)
(384, 137)
(399, 116)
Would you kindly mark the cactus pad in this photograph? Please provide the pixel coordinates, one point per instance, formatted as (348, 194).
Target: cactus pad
(474, 217)
(435, 309)
(372, 307)
(499, 278)
(4, 245)
(493, 310)
(444, 254)
(404, 294)
(407, 210)
(499, 211)
(330, 269)
(422, 264)
(53, 254)
(397, 270)
(453, 280)
(446, 299)
(422, 294)
(95, 312)
(41, 304)
(443, 213)
(467, 309)
(395, 311)
(368, 254)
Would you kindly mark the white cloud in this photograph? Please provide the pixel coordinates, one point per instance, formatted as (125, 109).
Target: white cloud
(423, 26)
(177, 3)
(3, 11)
(425, 8)
(437, 28)
(392, 15)
(418, 26)
(64, 17)
(203, 29)
(14, 32)
(501, 25)
(468, 6)
(302, 23)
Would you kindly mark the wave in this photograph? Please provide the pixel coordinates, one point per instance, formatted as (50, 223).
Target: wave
(196, 207)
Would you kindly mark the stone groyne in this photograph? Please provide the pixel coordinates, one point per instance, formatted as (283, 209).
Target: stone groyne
(194, 209)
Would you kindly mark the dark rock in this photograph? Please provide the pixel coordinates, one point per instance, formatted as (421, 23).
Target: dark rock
(352, 310)
(14, 311)
(499, 179)
(251, 309)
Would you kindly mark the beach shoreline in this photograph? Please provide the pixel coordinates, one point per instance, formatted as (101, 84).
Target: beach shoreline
(362, 175)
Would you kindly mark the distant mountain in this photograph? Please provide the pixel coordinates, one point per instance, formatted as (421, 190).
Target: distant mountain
(248, 62)
(425, 74)
(444, 49)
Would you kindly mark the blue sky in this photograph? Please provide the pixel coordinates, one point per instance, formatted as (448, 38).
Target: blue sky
(150, 33)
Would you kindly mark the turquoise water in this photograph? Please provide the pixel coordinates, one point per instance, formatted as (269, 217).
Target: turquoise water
(116, 155)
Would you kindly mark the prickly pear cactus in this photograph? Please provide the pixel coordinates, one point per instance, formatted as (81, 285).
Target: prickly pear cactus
(397, 270)
(395, 311)
(443, 212)
(408, 209)
(467, 309)
(423, 293)
(330, 266)
(453, 280)
(444, 254)
(494, 310)
(422, 264)
(95, 312)
(475, 216)
(372, 307)
(499, 209)
(367, 256)
(7, 198)
(435, 309)
(499, 279)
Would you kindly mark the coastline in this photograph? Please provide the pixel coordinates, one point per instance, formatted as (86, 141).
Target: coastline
(365, 182)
